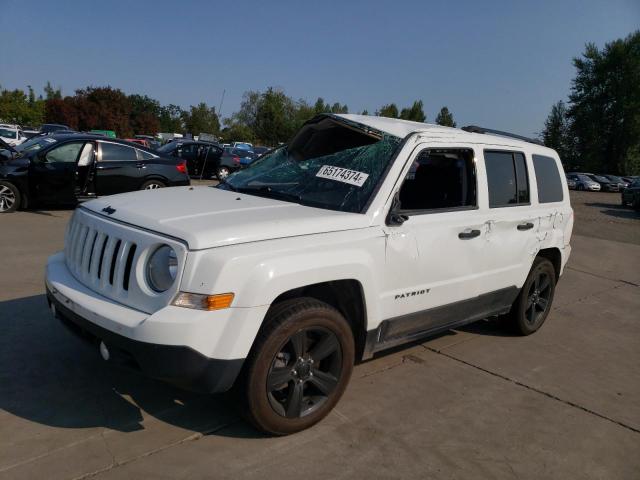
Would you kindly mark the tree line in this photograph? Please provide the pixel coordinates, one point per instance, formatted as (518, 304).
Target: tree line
(268, 117)
(598, 129)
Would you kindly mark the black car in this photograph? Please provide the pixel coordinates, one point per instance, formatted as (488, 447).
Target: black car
(62, 169)
(203, 158)
(234, 159)
(606, 185)
(53, 127)
(631, 195)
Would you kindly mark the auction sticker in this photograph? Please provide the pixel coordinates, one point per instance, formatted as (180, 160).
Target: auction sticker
(343, 175)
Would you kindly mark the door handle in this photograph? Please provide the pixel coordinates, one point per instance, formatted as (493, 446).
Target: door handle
(525, 226)
(141, 165)
(467, 234)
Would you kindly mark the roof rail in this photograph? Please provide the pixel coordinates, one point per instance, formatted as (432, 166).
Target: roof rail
(476, 129)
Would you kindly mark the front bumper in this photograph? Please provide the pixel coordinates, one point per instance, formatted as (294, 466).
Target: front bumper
(177, 365)
(169, 345)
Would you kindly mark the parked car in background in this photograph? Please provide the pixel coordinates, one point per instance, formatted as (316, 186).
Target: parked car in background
(233, 159)
(583, 181)
(30, 133)
(12, 134)
(242, 145)
(139, 141)
(260, 151)
(61, 169)
(152, 142)
(622, 184)
(203, 158)
(631, 195)
(52, 127)
(571, 183)
(630, 179)
(606, 185)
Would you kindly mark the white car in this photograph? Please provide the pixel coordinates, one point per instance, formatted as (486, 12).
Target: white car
(362, 234)
(12, 134)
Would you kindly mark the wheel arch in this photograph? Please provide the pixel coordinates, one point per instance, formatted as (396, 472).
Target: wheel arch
(554, 255)
(346, 296)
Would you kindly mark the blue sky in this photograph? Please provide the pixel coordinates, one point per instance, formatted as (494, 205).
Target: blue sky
(500, 64)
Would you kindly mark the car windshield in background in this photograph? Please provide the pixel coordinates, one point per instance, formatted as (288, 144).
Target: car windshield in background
(35, 144)
(168, 148)
(601, 179)
(8, 133)
(615, 179)
(329, 164)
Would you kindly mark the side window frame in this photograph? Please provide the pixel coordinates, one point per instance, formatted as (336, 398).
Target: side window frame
(100, 154)
(515, 176)
(62, 144)
(431, 211)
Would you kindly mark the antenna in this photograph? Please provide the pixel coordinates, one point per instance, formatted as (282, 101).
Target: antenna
(220, 106)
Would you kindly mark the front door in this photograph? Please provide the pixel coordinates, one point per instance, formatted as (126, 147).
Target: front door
(52, 174)
(434, 259)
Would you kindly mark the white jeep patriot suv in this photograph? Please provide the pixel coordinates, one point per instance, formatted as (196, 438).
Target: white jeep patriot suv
(361, 234)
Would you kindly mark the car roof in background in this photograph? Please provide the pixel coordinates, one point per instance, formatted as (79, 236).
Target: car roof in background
(92, 136)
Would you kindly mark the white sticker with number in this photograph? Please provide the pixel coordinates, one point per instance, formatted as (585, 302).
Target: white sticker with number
(343, 175)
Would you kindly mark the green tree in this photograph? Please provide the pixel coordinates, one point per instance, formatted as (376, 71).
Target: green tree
(415, 112)
(445, 118)
(556, 133)
(202, 119)
(604, 109)
(171, 119)
(365, 112)
(52, 93)
(144, 116)
(390, 110)
(104, 108)
(18, 107)
(275, 119)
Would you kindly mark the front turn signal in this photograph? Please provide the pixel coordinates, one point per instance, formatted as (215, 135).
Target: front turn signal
(203, 302)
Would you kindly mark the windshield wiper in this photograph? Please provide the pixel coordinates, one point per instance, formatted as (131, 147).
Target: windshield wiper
(268, 192)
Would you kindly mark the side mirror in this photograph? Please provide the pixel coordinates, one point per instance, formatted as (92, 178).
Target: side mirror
(394, 217)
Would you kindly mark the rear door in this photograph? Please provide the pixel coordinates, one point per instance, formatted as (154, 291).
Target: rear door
(512, 224)
(118, 169)
(52, 174)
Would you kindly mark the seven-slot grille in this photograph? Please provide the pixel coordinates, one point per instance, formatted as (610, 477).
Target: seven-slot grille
(101, 261)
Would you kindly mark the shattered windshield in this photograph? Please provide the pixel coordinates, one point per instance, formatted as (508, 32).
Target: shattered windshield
(329, 164)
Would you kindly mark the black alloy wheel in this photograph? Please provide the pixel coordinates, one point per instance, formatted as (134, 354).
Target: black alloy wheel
(298, 368)
(305, 372)
(538, 299)
(533, 304)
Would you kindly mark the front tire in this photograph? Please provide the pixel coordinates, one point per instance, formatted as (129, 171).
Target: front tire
(10, 197)
(531, 308)
(298, 368)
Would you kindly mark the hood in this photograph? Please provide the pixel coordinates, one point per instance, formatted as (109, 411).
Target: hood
(207, 217)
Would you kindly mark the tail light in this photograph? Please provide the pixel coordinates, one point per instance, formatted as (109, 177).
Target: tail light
(236, 160)
(182, 167)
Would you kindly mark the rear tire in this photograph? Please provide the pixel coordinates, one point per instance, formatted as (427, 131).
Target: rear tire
(10, 198)
(298, 368)
(222, 173)
(531, 308)
(152, 185)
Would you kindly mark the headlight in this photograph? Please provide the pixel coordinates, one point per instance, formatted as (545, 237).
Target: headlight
(162, 268)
